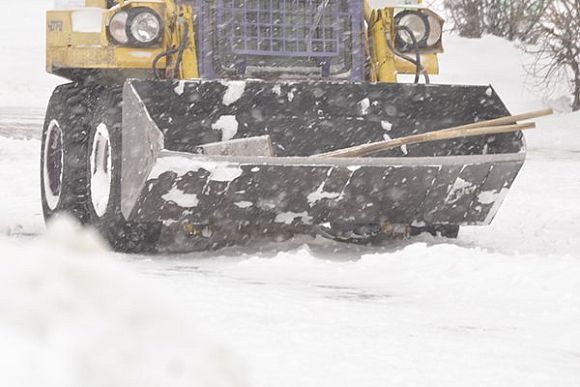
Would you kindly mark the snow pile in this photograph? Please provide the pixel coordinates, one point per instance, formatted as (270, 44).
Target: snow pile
(406, 315)
(424, 267)
(72, 316)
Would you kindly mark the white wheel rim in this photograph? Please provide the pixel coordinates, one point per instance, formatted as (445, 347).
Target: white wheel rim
(53, 164)
(101, 175)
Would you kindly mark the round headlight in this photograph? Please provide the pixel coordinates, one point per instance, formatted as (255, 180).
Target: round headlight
(417, 23)
(118, 27)
(435, 31)
(145, 27)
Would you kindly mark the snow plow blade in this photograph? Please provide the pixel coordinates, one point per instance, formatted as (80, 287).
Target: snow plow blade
(206, 201)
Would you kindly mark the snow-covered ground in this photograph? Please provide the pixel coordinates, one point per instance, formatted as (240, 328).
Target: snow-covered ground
(499, 306)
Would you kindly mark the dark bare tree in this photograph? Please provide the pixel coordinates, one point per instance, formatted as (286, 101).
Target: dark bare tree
(557, 50)
(466, 17)
(511, 19)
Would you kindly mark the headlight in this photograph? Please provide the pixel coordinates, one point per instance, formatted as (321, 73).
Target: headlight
(435, 30)
(139, 27)
(418, 23)
(146, 27)
(426, 26)
(118, 27)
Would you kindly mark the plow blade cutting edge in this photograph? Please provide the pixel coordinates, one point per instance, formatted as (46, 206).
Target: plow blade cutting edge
(209, 201)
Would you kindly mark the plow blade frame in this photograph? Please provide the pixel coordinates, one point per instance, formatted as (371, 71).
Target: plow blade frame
(206, 201)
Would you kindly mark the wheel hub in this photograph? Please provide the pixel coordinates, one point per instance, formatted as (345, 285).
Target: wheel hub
(53, 164)
(101, 175)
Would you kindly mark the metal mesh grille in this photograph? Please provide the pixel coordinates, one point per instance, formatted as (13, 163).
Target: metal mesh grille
(309, 28)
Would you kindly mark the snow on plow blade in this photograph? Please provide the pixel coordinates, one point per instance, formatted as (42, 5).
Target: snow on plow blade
(206, 201)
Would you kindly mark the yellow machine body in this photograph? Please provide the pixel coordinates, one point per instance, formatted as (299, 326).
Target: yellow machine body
(78, 43)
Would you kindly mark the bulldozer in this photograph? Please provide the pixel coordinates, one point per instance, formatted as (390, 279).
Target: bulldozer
(196, 125)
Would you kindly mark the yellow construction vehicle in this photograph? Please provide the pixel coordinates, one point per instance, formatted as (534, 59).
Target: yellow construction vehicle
(121, 39)
(192, 125)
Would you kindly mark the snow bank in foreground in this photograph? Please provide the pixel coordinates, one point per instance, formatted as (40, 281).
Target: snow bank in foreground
(70, 317)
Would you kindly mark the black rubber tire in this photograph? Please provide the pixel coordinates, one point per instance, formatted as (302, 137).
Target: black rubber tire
(123, 236)
(71, 107)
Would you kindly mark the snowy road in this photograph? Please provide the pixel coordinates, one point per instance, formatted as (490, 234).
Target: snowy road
(21, 123)
(500, 306)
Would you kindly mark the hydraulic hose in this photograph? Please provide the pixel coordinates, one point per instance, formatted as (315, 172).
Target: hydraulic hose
(417, 61)
(183, 46)
(179, 51)
(159, 57)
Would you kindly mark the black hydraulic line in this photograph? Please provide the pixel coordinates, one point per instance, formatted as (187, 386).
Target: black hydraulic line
(183, 46)
(179, 50)
(418, 65)
(158, 58)
(417, 61)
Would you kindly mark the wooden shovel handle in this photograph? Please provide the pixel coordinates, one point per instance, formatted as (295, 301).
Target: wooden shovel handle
(445, 134)
(497, 125)
(508, 120)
